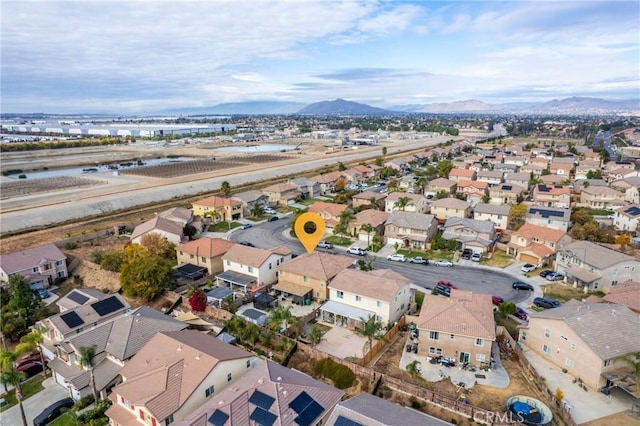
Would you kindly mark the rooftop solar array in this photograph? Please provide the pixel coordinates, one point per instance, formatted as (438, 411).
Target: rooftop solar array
(263, 417)
(262, 400)
(634, 211)
(307, 409)
(79, 298)
(218, 418)
(543, 188)
(546, 213)
(107, 306)
(343, 421)
(507, 187)
(72, 319)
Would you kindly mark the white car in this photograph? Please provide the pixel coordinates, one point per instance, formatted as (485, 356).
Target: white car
(476, 257)
(397, 257)
(528, 267)
(269, 210)
(356, 250)
(443, 262)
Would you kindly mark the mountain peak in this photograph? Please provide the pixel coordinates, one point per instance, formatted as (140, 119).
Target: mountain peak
(341, 107)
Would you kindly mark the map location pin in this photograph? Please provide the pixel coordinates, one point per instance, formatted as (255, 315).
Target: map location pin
(309, 239)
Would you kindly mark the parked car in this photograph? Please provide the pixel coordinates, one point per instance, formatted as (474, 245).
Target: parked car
(521, 313)
(325, 245)
(447, 284)
(43, 293)
(554, 276)
(53, 411)
(546, 302)
(528, 267)
(30, 368)
(476, 257)
(246, 243)
(246, 226)
(497, 300)
(466, 253)
(519, 285)
(443, 262)
(445, 291)
(397, 257)
(28, 358)
(273, 219)
(546, 272)
(419, 259)
(269, 210)
(356, 250)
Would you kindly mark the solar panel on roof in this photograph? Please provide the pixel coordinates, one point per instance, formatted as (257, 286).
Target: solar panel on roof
(343, 421)
(107, 306)
(301, 402)
(311, 413)
(218, 418)
(263, 417)
(72, 319)
(507, 187)
(262, 400)
(543, 188)
(77, 297)
(634, 211)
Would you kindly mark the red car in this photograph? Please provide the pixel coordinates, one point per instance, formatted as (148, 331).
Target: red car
(28, 358)
(30, 368)
(447, 284)
(497, 300)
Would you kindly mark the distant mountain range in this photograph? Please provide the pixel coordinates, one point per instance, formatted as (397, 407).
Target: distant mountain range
(573, 105)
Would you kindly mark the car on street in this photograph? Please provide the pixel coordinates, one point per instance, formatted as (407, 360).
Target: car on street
(476, 257)
(520, 285)
(419, 259)
(397, 257)
(53, 411)
(443, 262)
(546, 302)
(528, 267)
(447, 284)
(554, 276)
(246, 226)
(521, 314)
(546, 272)
(325, 245)
(466, 253)
(357, 250)
(273, 219)
(497, 300)
(445, 291)
(246, 243)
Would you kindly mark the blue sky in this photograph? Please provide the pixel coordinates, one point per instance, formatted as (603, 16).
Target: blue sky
(138, 56)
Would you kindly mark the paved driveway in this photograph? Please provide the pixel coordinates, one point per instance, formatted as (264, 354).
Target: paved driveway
(35, 404)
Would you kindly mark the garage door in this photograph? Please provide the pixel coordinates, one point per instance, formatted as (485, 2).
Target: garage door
(527, 258)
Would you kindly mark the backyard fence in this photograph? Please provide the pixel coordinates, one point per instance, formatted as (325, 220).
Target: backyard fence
(382, 343)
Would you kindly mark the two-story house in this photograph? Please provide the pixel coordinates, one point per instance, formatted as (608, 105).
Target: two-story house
(477, 235)
(445, 208)
(206, 252)
(630, 187)
(307, 277)
(381, 295)
(587, 340)
(518, 178)
(498, 214)
(461, 327)
(472, 190)
(440, 185)
(171, 375)
(415, 202)
(368, 171)
(561, 169)
(506, 193)
(410, 230)
(459, 174)
(218, 208)
(536, 244)
(308, 188)
(601, 197)
(171, 230)
(627, 218)
(251, 268)
(41, 266)
(330, 212)
(552, 196)
(282, 194)
(249, 199)
(328, 182)
(491, 177)
(533, 169)
(115, 342)
(595, 267)
(375, 218)
(550, 217)
(368, 200)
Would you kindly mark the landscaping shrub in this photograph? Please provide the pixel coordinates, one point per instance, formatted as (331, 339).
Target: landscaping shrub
(95, 416)
(341, 375)
(84, 402)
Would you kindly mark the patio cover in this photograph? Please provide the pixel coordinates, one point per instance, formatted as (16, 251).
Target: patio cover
(219, 293)
(237, 278)
(292, 288)
(347, 311)
(582, 274)
(625, 381)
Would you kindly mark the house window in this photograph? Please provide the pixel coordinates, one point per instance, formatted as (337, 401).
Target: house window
(250, 268)
(340, 294)
(248, 363)
(479, 342)
(229, 377)
(607, 362)
(270, 265)
(573, 346)
(547, 332)
(191, 256)
(546, 349)
(35, 269)
(434, 335)
(452, 337)
(208, 391)
(305, 279)
(435, 351)
(203, 259)
(58, 262)
(379, 304)
(228, 263)
(480, 357)
(378, 318)
(569, 362)
(358, 298)
(523, 335)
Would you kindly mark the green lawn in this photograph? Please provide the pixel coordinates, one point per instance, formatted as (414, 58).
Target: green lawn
(431, 255)
(308, 201)
(29, 388)
(67, 419)
(600, 212)
(338, 241)
(499, 259)
(223, 226)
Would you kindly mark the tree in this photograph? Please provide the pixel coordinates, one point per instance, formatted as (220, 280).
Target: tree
(581, 217)
(112, 260)
(158, 245)
(341, 166)
(15, 378)
(373, 203)
(144, 275)
(441, 194)
(413, 368)
(87, 360)
(378, 161)
(198, 300)
(257, 210)
(225, 189)
(368, 228)
(517, 215)
(340, 229)
(346, 216)
(228, 304)
(278, 316)
(594, 174)
(21, 309)
(623, 239)
(486, 199)
(315, 335)
(507, 308)
(384, 150)
(444, 167)
(30, 343)
(189, 231)
(371, 329)
(402, 203)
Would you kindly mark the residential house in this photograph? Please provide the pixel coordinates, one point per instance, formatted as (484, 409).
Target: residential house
(584, 339)
(381, 295)
(552, 196)
(410, 230)
(440, 185)
(251, 268)
(41, 266)
(506, 193)
(579, 185)
(477, 235)
(457, 175)
(621, 173)
(540, 161)
(498, 214)
(583, 170)
(368, 199)
(171, 375)
(115, 342)
(375, 218)
(400, 164)
(329, 182)
(532, 168)
(307, 277)
(206, 252)
(63, 325)
(491, 177)
(627, 218)
(218, 208)
(407, 183)
(506, 167)
(461, 327)
(630, 187)
(561, 169)
(553, 180)
(417, 202)
(169, 229)
(496, 160)
(282, 193)
(249, 199)
(472, 190)
(595, 267)
(353, 176)
(601, 197)
(78, 297)
(368, 171)
(445, 208)
(627, 294)
(550, 217)
(516, 160)
(367, 409)
(268, 394)
(519, 178)
(179, 214)
(536, 244)
(308, 188)
(330, 212)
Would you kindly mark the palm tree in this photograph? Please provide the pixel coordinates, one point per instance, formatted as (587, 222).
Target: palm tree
(402, 203)
(225, 189)
(346, 216)
(87, 360)
(30, 343)
(420, 183)
(15, 378)
(7, 358)
(315, 335)
(257, 210)
(368, 228)
(373, 203)
(371, 330)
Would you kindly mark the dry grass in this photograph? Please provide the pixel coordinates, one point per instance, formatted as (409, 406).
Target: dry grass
(562, 292)
(499, 259)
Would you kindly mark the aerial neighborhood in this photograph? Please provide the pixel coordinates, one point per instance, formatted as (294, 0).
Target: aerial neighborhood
(455, 282)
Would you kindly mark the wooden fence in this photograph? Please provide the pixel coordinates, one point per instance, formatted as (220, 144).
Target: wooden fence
(381, 344)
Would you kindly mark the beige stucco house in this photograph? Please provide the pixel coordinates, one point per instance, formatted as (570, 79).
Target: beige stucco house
(251, 267)
(536, 244)
(445, 208)
(498, 214)
(218, 208)
(552, 196)
(41, 266)
(206, 252)
(410, 230)
(417, 202)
